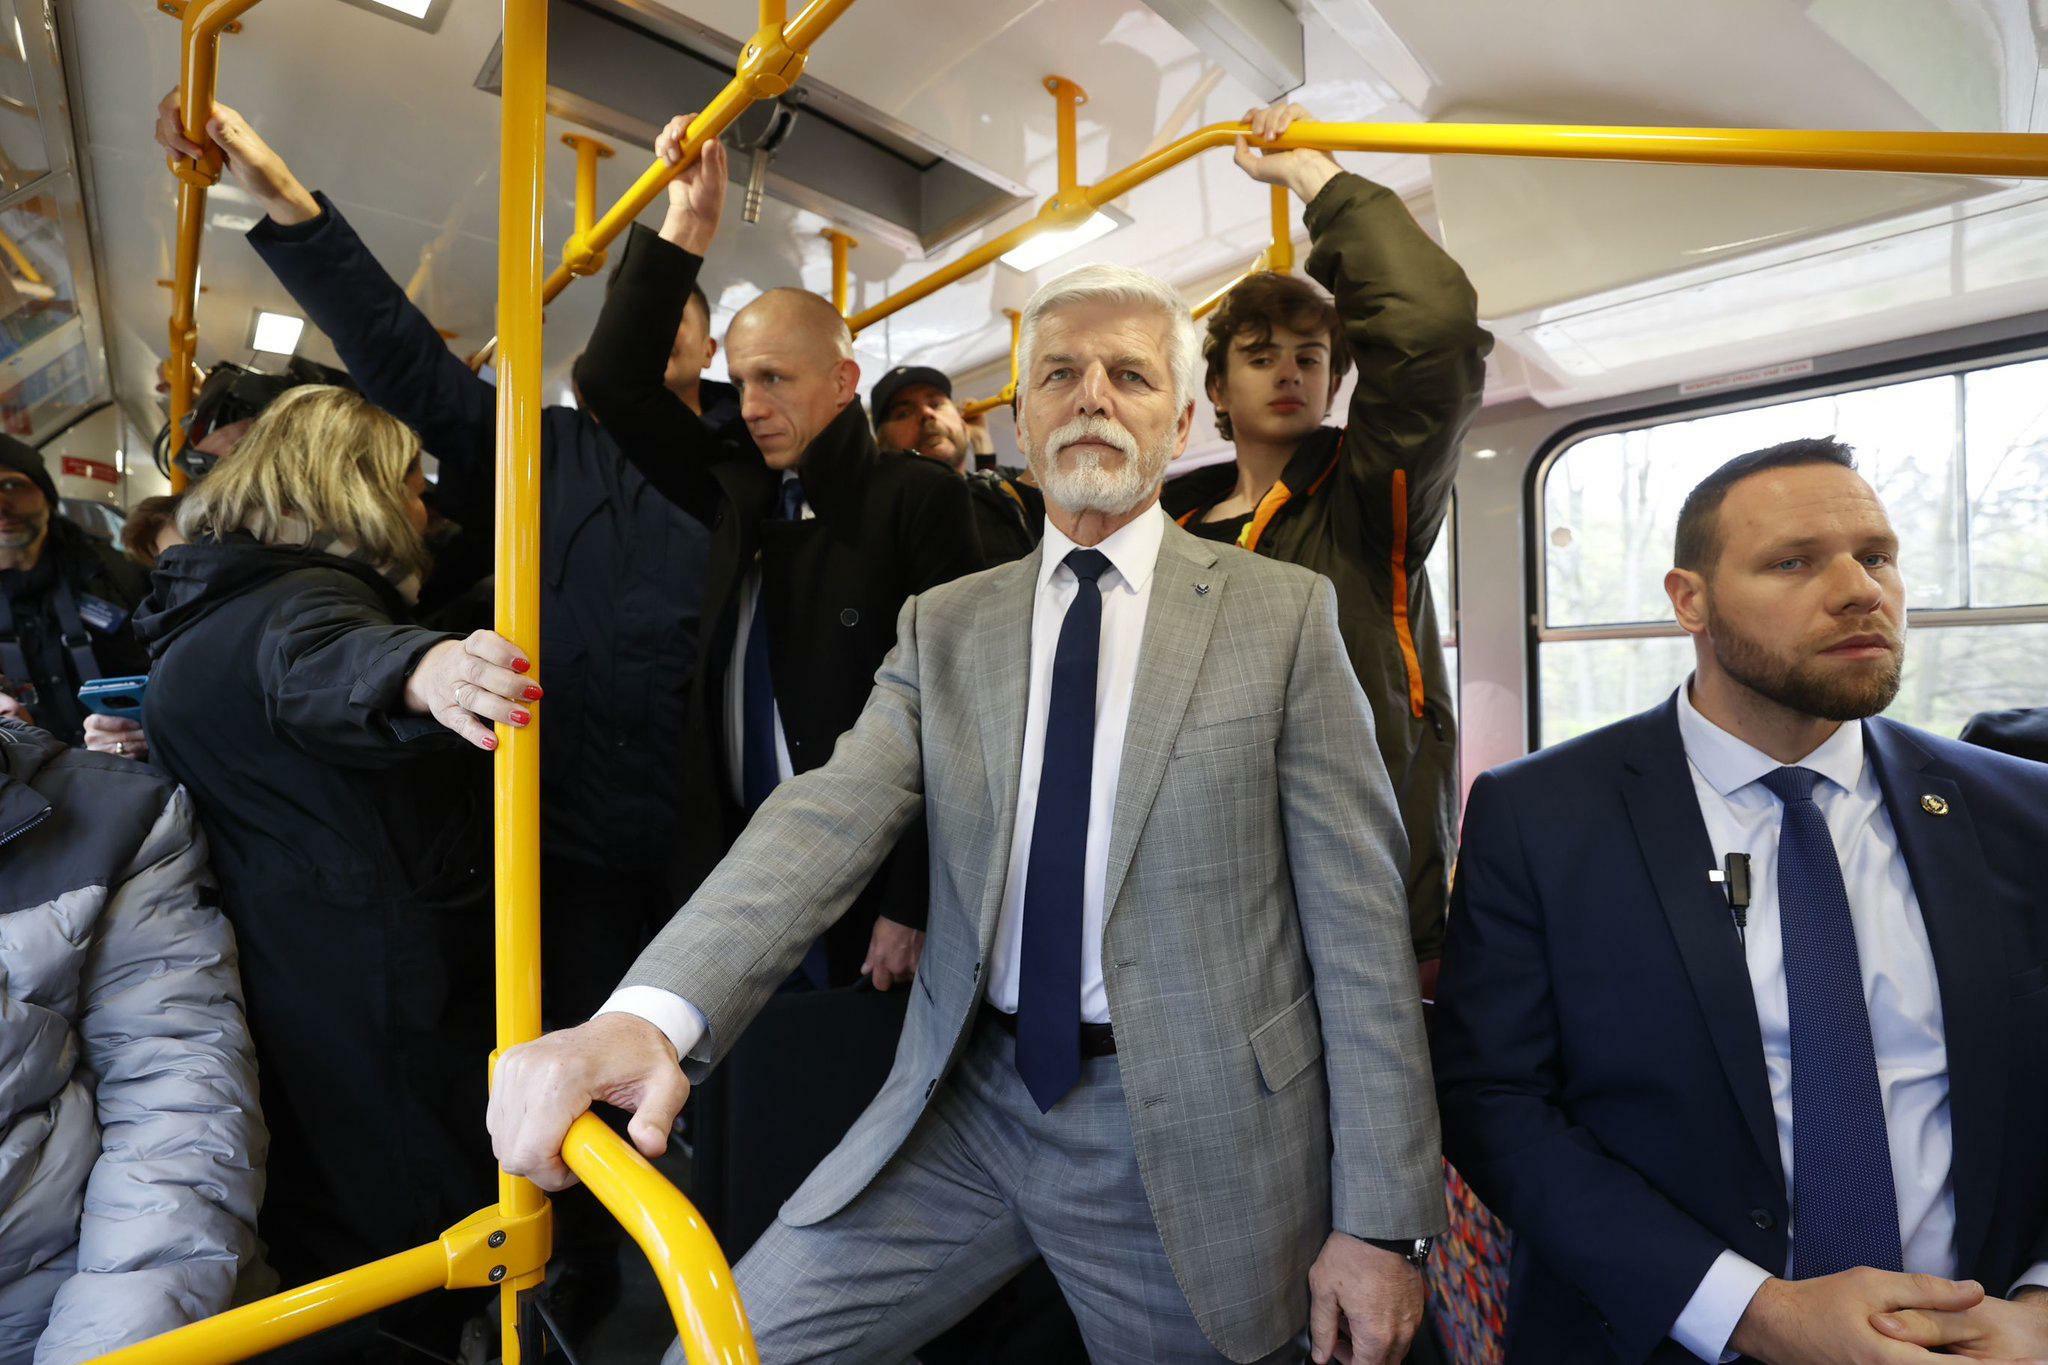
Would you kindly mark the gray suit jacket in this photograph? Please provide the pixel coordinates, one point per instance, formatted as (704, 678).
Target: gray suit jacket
(1257, 924)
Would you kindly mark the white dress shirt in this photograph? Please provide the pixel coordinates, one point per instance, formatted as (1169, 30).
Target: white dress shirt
(1899, 988)
(736, 680)
(1126, 589)
(1133, 552)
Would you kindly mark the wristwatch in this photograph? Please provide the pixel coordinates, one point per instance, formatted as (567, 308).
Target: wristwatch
(1413, 1250)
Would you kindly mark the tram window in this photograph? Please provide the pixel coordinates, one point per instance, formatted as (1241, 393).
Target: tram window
(1442, 569)
(1961, 461)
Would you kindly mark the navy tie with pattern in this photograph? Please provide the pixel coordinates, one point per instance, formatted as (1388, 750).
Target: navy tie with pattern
(1845, 1207)
(1049, 967)
(761, 771)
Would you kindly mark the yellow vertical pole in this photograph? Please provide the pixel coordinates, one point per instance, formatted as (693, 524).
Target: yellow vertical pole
(1067, 97)
(516, 774)
(198, 66)
(1280, 255)
(773, 13)
(841, 244)
(184, 348)
(1016, 339)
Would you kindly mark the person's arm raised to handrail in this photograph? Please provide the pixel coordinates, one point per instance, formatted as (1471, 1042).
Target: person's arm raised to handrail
(1411, 323)
(384, 341)
(621, 373)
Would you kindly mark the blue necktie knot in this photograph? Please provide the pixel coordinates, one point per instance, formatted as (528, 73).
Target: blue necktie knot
(1088, 565)
(791, 506)
(1791, 784)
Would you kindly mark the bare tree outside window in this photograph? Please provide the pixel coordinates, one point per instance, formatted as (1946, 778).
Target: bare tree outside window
(1961, 461)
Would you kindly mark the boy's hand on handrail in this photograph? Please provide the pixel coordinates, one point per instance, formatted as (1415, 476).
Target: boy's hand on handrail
(1303, 171)
(543, 1086)
(249, 159)
(696, 198)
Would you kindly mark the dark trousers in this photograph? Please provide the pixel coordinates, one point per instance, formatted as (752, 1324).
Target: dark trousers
(594, 922)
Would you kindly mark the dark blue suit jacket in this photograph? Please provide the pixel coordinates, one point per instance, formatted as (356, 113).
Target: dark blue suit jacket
(1598, 1057)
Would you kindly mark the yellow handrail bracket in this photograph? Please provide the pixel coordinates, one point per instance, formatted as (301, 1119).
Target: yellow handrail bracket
(1009, 393)
(841, 244)
(589, 151)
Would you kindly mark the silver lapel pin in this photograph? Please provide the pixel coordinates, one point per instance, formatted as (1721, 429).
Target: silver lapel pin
(1201, 589)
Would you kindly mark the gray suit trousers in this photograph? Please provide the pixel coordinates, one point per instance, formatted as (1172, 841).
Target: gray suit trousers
(984, 1183)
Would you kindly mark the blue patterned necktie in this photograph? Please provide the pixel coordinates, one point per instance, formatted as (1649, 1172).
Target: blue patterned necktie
(1049, 967)
(759, 770)
(1845, 1208)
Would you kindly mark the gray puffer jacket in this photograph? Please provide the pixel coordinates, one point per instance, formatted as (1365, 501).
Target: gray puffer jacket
(131, 1147)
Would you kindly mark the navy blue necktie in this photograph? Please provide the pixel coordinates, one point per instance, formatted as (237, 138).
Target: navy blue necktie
(1049, 974)
(1845, 1208)
(759, 770)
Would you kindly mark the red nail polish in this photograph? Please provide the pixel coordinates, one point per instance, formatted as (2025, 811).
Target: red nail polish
(532, 693)
(490, 741)
(520, 717)
(521, 665)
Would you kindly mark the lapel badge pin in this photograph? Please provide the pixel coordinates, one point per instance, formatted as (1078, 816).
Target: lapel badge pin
(1201, 589)
(1934, 805)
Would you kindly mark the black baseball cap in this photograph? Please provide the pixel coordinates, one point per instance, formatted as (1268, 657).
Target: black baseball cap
(27, 461)
(902, 377)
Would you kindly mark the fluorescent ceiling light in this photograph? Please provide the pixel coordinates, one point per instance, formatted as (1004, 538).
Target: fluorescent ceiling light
(425, 15)
(1050, 246)
(276, 333)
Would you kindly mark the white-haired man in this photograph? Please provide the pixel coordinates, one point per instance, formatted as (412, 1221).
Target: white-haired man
(1166, 1030)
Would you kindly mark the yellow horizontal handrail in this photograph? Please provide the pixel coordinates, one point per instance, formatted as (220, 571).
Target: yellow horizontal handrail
(2020, 155)
(295, 1314)
(695, 1276)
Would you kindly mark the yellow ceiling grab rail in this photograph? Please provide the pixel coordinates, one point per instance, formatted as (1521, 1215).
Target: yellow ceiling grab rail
(199, 50)
(770, 63)
(2002, 155)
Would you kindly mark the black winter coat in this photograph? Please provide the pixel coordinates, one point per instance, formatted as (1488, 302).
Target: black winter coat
(1009, 516)
(621, 567)
(887, 526)
(352, 848)
(104, 586)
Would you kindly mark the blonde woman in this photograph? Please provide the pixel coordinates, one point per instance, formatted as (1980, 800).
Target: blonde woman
(331, 746)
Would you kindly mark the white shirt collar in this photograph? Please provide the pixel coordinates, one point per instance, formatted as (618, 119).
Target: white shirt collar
(1728, 763)
(1133, 549)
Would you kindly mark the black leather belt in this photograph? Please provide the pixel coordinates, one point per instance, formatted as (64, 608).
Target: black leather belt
(1097, 1040)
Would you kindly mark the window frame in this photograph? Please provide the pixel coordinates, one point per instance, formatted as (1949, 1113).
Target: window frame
(1954, 361)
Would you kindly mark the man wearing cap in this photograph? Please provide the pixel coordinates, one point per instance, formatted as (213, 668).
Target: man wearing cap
(65, 600)
(914, 411)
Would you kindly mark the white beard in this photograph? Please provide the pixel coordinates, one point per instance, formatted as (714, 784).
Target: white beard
(1084, 483)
